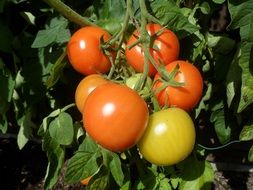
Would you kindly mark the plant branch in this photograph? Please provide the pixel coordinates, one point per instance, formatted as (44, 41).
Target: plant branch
(69, 13)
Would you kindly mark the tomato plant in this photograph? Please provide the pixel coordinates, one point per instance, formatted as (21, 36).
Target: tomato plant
(169, 138)
(85, 87)
(48, 46)
(186, 96)
(164, 48)
(115, 116)
(85, 52)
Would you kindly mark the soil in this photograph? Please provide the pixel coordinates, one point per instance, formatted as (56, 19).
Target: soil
(25, 169)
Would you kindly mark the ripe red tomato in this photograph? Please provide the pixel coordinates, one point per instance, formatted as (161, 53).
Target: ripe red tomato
(169, 137)
(186, 96)
(85, 87)
(165, 48)
(115, 116)
(84, 51)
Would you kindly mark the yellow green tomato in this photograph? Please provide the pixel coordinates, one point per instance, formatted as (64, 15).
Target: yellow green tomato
(169, 137)
(134, 79)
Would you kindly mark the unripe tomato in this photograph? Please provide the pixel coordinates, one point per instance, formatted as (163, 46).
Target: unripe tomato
(85, 87)
(115, 116)
(164, 48)
(134, 79)
(169, 137)
(84, 51)
(186, 96)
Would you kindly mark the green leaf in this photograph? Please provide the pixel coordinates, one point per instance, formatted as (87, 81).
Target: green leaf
(116, 170)
(25, 130)
(88, 145)
(2, 3)
(3, 124)
(6, 37)
(222, 129)
(55, 32)
(84, 163)
(100, 180)
(220, 44)
(196, 175)
(250, 155)
(110, 14)
(61, 129)
(247, 133)
(169, 14)
(219, 1)
(7, 84)
(233, 79)
(245, 63)
(206, 97)
(241, 13)
(164, 184)
(55, 154)
(56, 71)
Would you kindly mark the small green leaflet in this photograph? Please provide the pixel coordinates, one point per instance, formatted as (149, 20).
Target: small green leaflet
(115, 167)
(100, 180)
(196, 175)
(247, 133)
(7, 84)
(61, 129)
(25, 130)
(172, 16)
(84, 163)
(56, 32)
(55, 154)
(250, 155)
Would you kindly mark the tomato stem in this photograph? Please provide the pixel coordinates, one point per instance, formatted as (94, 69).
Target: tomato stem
(69, 13)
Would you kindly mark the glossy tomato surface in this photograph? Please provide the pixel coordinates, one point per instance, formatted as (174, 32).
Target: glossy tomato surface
(186, 96)
(85, 87)
(165, 48)
(85, 53)
(169, 137)
(115, 116)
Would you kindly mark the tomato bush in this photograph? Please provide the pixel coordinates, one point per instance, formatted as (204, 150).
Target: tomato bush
(169, 138)
(85, 87)
(50, 47)
(163, 47)
(85, 52)
(186, 96)
(115, 116)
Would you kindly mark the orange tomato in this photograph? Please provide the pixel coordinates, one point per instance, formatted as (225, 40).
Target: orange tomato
(115, 116)
(85, 87)
(85, 53)
(164, 48)
(86, 181)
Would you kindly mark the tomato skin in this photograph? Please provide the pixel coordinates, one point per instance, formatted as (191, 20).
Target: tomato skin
(115, 116)
(84, 51)
(168, 45)
(169, 137)
(186, 96)
(86, 181)
(85, 87)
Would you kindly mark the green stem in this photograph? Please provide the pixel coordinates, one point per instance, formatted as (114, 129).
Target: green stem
(120, 37)
(144, 39)
(69, 13)
(219, 147)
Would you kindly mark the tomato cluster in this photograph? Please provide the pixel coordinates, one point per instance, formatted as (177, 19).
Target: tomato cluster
(116, 116)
